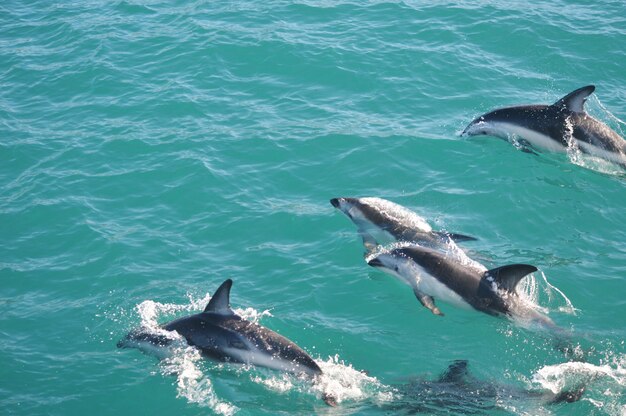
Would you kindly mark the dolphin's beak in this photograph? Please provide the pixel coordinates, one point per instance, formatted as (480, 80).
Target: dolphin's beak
(122, 343)
(464, 133)
(335, 202)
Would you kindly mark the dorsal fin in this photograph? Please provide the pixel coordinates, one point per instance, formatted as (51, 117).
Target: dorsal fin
(220, 301)
(455, 373)
(575, 100)
(507, 277)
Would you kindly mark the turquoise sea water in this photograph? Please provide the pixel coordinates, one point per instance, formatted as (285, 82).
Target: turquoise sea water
(149, 150)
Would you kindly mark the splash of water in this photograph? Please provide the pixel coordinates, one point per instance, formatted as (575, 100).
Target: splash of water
(560, 377)
(182, 360)
(191, 383)
(588, 161)
(609, 378)
(613, 121)
(536, 292)
(339, 380)
(573, 151)
(344, 382)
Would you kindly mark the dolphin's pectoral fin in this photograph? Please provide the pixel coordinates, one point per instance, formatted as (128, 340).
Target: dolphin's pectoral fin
(455, 372)
(507, 277)
(525, 146)
(575, 100)
(427, 301)
(529, 150)
(456, 237)
(369, 242)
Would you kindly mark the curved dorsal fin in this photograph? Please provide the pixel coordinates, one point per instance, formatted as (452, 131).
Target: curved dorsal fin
(455, 373)
(507, 277)
(575, 100)
(220, 301)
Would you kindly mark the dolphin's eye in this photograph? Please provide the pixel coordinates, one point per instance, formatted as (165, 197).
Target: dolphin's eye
(396, 268)
(237, 344)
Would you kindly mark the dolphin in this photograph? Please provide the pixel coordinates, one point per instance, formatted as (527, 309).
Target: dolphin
(379, 220)
(222, 335)
(431, 274)
(457, 391)
(558, 127)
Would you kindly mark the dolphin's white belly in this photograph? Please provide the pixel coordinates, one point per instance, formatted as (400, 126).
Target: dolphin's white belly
(533, 137)
(363, 223)
(539, 140)
(417, 277)
(263, 359)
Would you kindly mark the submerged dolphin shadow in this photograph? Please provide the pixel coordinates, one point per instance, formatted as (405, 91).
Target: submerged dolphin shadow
(458, 392)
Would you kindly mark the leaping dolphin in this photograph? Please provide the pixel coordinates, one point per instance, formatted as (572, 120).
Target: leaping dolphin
(432, 274)
(557, 127)
(222, 335)
(379, 220)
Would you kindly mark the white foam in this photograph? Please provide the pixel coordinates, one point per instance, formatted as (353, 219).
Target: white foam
(182, 359)
(560, 377)
(339, 380)
(191, 383)
(344, 382)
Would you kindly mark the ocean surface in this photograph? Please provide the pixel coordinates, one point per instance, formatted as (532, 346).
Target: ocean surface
(150, 150)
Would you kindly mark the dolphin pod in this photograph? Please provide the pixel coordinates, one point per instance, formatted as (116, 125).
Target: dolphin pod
(429, 261)
(557, 127)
